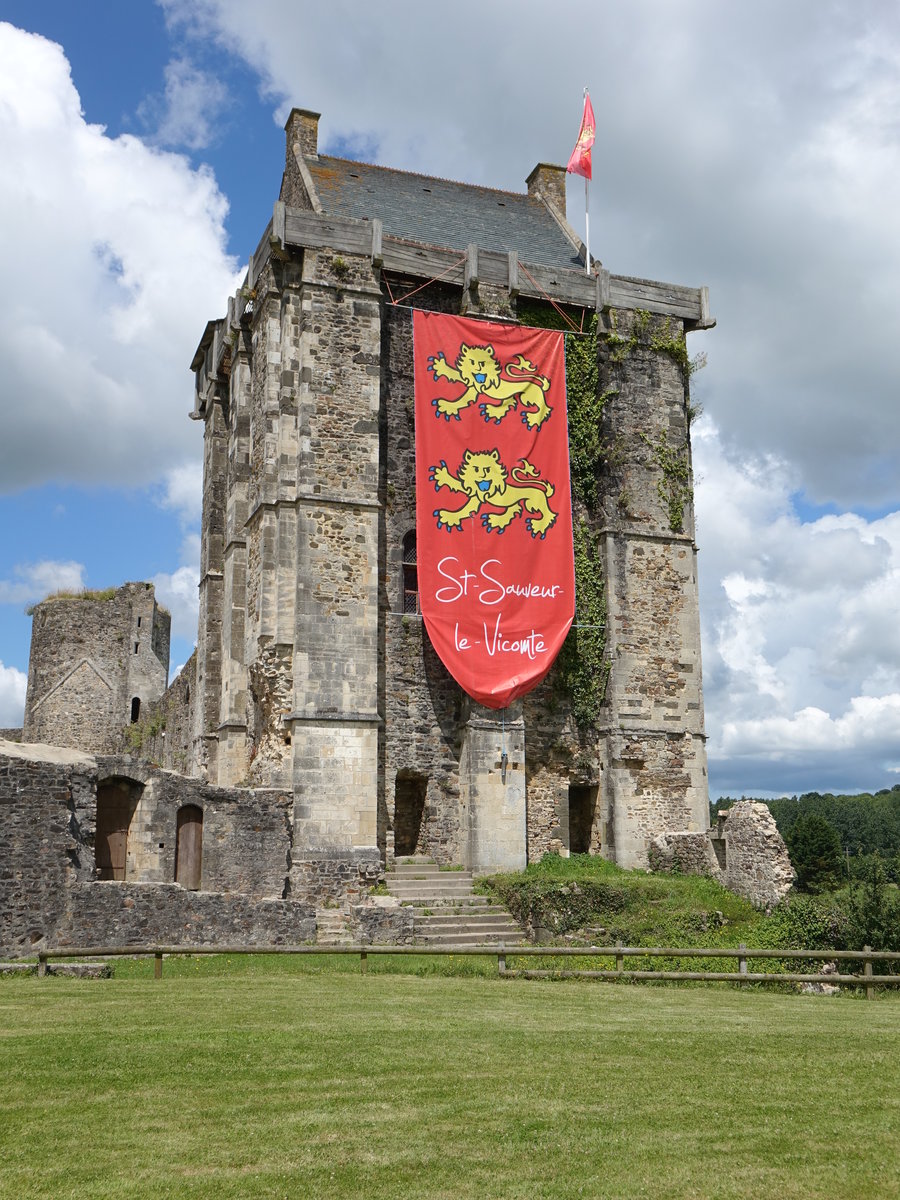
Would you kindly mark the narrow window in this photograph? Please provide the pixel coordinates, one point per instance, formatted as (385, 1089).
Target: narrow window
(135, 709)
(135, 647)
(410, 574)
(139, 622)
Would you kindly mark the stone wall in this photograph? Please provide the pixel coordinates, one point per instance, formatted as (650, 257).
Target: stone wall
(94, 664)
(744, 852)
(757, 864)
(48, 879)
(163, 734)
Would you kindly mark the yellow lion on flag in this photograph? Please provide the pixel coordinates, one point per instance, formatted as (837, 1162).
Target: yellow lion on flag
(482, 477)
(501, 388)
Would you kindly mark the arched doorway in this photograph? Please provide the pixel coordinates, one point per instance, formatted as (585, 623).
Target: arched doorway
(189, 847)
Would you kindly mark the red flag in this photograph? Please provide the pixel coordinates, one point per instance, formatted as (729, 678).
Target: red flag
(493, 505)
(580, 160)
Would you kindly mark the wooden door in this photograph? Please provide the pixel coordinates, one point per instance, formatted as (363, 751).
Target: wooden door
(189, 847)
(115, 808)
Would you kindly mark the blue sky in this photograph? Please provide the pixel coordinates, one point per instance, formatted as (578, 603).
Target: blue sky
(753, 148)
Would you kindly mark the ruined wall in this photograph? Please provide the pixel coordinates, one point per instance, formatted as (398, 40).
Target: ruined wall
(744, 852)
(90, 659)
(163, 735)
(49, 890)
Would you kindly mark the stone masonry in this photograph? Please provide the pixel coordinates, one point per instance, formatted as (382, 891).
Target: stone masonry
(94, 663)
(315, 726)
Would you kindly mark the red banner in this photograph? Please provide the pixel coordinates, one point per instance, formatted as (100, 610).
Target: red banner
(493, 505)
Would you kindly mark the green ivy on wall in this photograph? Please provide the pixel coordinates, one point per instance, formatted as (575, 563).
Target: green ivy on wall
(582, 668)
(674, 485)
(583, 665)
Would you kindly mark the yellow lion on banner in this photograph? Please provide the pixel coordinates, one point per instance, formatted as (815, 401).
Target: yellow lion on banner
(501, 388)
(483, 478)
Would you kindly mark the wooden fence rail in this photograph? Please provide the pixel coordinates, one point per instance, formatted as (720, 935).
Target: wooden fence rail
(867, 978)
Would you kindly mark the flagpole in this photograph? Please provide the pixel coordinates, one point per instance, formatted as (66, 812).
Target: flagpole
(587, 219)
(587, 229)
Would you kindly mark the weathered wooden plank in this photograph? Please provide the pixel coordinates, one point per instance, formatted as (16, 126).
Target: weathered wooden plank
(565, 285)
(377, 235)
(408, 259)
(470, 278)
(304, 228)
(278, 215)
(513, 278)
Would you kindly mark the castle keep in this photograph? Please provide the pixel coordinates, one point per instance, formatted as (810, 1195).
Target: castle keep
(315, 707)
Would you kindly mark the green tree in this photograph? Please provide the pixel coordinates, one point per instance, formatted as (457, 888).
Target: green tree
(874, 909)
(815, 850)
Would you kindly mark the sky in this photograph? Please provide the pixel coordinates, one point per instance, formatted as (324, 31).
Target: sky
(752, 147)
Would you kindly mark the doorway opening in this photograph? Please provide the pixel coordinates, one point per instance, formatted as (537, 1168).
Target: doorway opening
(116, 803)
(409, 809)
(189, 847)
(582, 809)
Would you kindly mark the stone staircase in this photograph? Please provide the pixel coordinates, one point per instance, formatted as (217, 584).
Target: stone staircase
(447, 912)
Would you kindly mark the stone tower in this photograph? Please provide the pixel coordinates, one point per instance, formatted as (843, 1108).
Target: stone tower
(314, 672)
(96, 660)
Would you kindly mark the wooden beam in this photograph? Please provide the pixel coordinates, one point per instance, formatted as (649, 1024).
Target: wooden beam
(513, 284)
(470, 279)
(377, 234)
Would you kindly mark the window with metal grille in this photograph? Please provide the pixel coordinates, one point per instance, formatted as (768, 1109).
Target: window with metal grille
(410, 574)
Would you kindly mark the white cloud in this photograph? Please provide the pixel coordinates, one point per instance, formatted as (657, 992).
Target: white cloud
(12, 697)
(178, 590)
(34, 581)
(801, 647)
(187, 114)
(777, 183)
(96, 343)
(182, 491)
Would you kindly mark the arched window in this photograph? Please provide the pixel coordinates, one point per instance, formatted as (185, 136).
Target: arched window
(135, 709)
(189, 847)
(410, 574)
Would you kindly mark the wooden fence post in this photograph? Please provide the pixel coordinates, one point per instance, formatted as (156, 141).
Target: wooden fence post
(742, 961)
(157, 965)
(501, 960)
(42, 965)
(620, 958)
(363, 963)
(867, 970)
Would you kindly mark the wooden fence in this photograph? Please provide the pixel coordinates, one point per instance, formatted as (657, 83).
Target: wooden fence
(742, 976)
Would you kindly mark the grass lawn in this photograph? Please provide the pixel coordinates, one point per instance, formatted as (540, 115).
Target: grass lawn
(326, 1083)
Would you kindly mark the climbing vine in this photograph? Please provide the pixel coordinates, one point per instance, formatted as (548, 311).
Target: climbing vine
(587, 449)
(583, 669)
(674, 485)
(583, 665)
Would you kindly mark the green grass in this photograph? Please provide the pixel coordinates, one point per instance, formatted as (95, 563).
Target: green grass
(270, 1080)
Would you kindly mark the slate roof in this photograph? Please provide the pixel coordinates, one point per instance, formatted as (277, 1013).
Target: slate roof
(439, 212)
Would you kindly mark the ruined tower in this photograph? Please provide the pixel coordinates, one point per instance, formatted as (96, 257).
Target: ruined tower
(97, 659)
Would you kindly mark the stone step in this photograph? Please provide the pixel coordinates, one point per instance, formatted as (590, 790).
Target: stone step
(457, 903)
(462, 887)
(469, 940)
(496, 917)
(431, 876)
